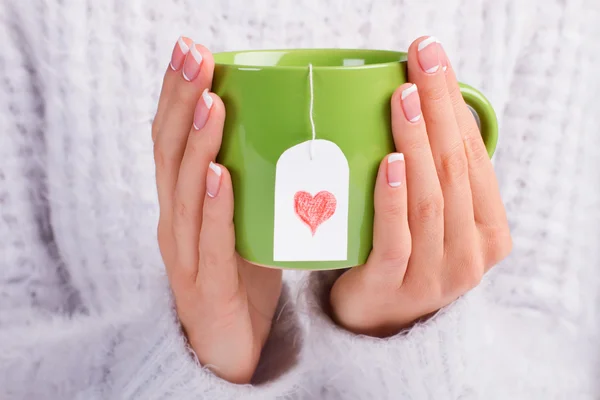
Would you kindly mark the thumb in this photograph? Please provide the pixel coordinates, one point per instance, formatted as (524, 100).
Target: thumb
(217, 269)
(391, 234)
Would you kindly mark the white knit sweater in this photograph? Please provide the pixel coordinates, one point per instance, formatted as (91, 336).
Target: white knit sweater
(85, 309)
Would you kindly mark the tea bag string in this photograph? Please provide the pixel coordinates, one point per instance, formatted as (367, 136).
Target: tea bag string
(312, 101)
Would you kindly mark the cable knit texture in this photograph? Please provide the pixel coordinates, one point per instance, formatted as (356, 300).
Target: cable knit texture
(85, 309)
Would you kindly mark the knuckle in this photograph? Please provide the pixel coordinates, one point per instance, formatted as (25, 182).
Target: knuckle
(425, 289)
(467, 124)
(392, 210)
(193, 149)
(183, 214)
(471, 277)
(211, 216)
(468, 275)
(434, 93)
(475, 149)
(186, 95)
(159, 156)
(429, 208)
(216, 217)
(468, 281)
(396, 256)
(210, 258)
(419, 145)
(181, 211)
(453, 166)
(455, 95)
(499, 245)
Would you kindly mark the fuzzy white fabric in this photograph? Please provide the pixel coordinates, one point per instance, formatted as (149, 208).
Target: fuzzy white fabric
(85, 310)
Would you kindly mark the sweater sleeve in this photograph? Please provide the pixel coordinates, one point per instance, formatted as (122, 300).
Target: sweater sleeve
(138, 352)
(85, 308)
(470, 349)
(427, 361)
(525, 330)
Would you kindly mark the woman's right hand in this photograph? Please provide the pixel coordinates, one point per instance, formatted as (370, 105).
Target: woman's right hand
(225, 304)
(439, 224)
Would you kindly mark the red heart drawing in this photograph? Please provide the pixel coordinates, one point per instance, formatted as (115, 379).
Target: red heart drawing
(313, 211)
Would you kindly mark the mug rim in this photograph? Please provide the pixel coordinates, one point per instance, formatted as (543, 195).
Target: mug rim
(400, 55)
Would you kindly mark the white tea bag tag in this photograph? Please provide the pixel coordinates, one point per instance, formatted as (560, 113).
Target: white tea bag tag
(311, 203)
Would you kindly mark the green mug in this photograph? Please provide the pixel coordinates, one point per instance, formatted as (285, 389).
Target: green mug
(304, 135)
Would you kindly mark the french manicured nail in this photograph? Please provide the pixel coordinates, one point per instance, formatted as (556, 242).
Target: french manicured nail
(192, 64)
(396, 169)
(443, 56)
(213, 179)
(179, 51)
(411, 103)
(202, 110)
(429, 55)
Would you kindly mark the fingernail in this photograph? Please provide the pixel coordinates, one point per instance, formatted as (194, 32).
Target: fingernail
(179, 51)
(411, 103)
(213, 180)
(443, 56)
(429, 55)
(192, 64)
(395, 169)
(202, 110)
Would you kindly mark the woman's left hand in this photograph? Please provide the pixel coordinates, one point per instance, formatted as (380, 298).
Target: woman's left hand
(225, 304)
(439, 220)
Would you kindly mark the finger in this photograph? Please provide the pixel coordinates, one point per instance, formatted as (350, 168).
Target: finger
(425, 202)
(217, 271)
(490, 214)
(425, 69)
(182, 47)
(172, 136)
(487, 204)
(203, 144)
(391, 234)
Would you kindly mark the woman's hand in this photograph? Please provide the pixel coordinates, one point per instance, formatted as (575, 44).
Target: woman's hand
(439, 220)
(225, 304)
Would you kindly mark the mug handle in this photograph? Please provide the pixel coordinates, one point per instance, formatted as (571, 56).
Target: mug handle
(484, 114)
